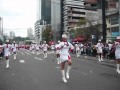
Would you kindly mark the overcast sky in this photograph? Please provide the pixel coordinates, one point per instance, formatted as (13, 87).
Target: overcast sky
(18, 15)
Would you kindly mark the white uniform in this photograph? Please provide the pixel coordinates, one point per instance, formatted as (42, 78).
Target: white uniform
(64, 55)
(77, 46)
(14, 47)
(99, 47)
(7, 48)
(57, 46)
(33, 46)
(45, 47)
(81, 47)
(117, 51)
(52, 46)
(37, 47)
(30, 48)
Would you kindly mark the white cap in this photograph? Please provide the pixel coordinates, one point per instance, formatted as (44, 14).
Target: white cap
(7, 40)
(64, 36)
(99, 40)
(58, 41)
(13, 41)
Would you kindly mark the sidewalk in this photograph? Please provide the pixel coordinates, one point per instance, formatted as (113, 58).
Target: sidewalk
(106, 62)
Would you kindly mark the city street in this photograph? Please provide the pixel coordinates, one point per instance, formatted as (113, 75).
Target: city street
(32, 72)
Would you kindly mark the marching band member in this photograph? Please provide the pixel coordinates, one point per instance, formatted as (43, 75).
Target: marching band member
(100, 50)
(45, 48)
(52, 47)
(7, 48)
(57, 47)
(37, 48)
(117, 56)
(33, 48)
(14, 49)
(77, 47)
(65, 57)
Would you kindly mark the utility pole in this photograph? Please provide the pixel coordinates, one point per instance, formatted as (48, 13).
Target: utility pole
(103, 20)
(119, 15)
(62, 25)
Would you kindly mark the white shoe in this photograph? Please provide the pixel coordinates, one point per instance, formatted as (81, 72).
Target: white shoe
(102, 60)
(64, 80)
(118, 71)
(7, 66)
(67, 75)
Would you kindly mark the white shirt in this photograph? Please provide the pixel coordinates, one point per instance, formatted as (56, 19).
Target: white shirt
(37, 47)
(14, 47)
(99, 47)
(65, 46)
(110, 46)
(57, 47)
(64, 55)
(45, 47)
(52, 46)
(7, 48)
(77, 46)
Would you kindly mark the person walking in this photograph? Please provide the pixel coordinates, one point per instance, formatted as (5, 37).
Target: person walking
(45, 48)
(65, 57)
(57, 48)
(117, 56)
(77, 47)
(14, 49)
(100, 50)
(7, 49)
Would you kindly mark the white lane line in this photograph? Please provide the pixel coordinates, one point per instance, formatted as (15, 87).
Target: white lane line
(57, 67)
(22, 61)
(40, 59)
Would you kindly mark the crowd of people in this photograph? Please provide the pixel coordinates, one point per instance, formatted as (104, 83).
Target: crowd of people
(63, 48)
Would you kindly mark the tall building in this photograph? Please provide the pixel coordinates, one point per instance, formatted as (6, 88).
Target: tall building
(12, 35)
(29, 32)
(56, 18)
(38, 10)
(73, 10)
(39, 27)
(46, 11)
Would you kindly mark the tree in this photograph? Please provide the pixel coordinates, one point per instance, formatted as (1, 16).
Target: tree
(47, 34)
(18, 39)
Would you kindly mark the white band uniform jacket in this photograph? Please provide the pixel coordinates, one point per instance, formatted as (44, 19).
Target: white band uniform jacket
(7, 48)
(64, 55)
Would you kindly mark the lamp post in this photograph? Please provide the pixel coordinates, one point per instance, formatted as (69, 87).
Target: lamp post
(103, 21)
(119, 15)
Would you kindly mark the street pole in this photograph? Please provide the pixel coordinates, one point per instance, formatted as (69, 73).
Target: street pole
(103, 20)
(62, 29)
(119, 16)
(0, 25)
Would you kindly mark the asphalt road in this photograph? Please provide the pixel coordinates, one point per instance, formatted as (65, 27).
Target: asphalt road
(32, 72)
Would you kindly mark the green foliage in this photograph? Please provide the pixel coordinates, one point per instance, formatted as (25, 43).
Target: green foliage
(87, 31)
(47, 34)
(18, 39)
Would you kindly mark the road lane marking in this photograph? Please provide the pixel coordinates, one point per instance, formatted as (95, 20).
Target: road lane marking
(38, 58)
(57, 67)
(22, 61)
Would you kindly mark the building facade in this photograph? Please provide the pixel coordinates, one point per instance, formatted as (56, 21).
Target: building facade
(73, 11)
(56, 18)
(12, 35)
(30, 33)
(39, 27)
(46, 11)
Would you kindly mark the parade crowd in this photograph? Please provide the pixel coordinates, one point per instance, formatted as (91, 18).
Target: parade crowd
(63, 49)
